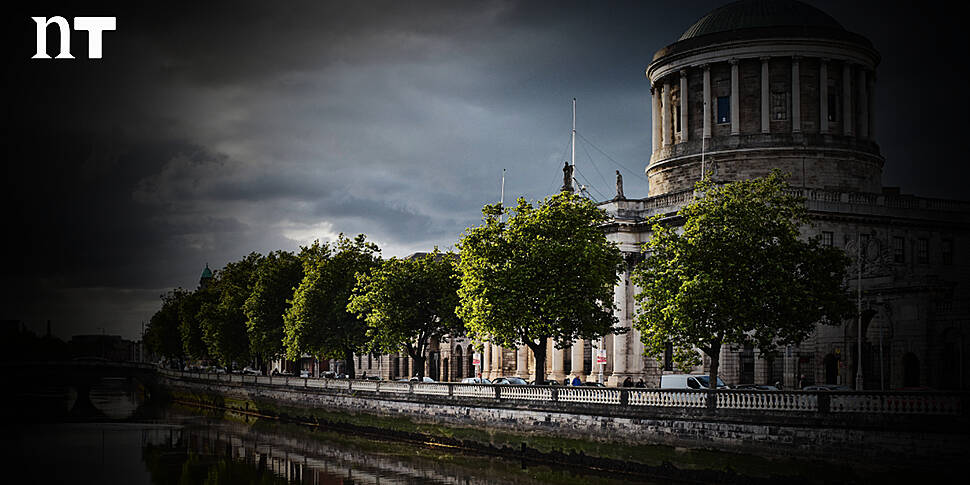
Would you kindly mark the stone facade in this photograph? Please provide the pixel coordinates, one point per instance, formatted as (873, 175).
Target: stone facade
(800, 100)
(739, 101)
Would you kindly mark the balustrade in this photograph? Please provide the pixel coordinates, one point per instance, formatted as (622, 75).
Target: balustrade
(926, 403)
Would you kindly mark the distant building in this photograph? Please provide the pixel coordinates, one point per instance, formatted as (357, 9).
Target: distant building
(754, 86)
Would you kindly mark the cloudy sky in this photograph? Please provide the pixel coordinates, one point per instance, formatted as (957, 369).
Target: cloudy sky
(210, 130)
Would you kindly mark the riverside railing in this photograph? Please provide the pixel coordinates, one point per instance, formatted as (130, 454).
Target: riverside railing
(829, 402)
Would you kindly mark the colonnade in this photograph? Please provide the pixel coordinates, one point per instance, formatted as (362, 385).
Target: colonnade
(857, 108)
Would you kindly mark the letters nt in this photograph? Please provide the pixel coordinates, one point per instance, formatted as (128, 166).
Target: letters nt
(94, 25)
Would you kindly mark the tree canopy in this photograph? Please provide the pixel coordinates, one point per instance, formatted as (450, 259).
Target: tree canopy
(318, 322)
(546, 273)
(407, 302)
(277, 275)
(223, 321)
(162, 335)
(190, 321)
(736, 272)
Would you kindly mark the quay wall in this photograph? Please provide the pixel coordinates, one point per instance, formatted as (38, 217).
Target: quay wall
(614, 431)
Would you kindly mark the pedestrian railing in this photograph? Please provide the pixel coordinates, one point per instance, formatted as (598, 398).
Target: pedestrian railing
(767, 400)
(833, 402)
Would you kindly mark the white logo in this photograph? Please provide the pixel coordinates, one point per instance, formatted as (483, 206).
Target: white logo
(94, 25)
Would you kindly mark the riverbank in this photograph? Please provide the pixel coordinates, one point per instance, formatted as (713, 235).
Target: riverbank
(523, 431)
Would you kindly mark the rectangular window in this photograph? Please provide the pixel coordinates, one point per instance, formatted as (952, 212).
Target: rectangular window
(677, 119)
(899, 250)
(864, 250)
(723, 109)
(779, 106)
(923, 250)
(835, 102)
(947, 251)
(827, 237)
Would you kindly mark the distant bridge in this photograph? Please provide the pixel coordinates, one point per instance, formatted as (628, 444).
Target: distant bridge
(80, 375)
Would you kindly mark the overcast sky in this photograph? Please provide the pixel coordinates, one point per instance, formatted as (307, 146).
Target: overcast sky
(211, 131)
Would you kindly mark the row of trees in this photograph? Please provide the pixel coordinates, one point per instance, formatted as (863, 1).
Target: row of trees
(731, 270)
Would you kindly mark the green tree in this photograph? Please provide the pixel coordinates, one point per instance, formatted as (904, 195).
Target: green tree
(317, 321)
(407, 302)
(546, 273)
(190, 322)
(162, 335)
(737, 272)
(223, 321)
(277, 276)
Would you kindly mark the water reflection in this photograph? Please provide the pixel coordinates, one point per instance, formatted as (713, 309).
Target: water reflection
(299, 454)
(130, 441)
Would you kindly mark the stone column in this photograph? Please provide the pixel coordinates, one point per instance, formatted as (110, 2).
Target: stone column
(707, 101)
(765, 97)
(870, 90)
(863, 104)
(577, 360)
(796, 97)
(558, 363)
(621, 341)
(847, 99)
(486, 367)
(655, 92)
(497, 362)
(522, 361)
(735, 100)
(684, 109)
(823, 95)
(666, 135)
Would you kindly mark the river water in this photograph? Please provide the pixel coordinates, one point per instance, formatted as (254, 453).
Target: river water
(126, 440)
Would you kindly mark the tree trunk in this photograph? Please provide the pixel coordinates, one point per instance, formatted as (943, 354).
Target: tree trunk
(540, 354)
(419, 366)
(349, 359)
(715, 356)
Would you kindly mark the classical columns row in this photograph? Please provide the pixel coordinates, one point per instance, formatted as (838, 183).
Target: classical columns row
(663, 112)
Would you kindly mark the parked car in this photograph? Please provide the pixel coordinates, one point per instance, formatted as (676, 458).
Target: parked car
(249, 371)
(688, 381)
(475, 380)
(593, 384)
(304, 373)
(513, 381)
(547, 382)
(426, 379)
(755, 387)
(826, 387)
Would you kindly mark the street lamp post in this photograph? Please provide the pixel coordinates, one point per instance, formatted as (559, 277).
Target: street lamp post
(858, 372)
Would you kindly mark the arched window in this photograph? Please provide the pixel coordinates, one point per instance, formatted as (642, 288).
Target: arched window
(458, 363)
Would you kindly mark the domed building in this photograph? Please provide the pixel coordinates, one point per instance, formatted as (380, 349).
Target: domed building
(759, 85)
(754, 86)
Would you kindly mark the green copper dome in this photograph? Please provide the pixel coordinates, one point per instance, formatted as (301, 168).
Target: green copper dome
(206, 273)
(749, 14)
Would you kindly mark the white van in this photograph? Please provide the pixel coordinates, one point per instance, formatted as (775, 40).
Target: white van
(688, 381)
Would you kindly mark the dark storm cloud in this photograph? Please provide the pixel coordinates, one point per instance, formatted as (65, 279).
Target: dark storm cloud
(211, 130)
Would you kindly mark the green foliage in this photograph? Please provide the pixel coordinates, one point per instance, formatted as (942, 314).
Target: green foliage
(408, 302)
(190, 322)
(318, 322)
(223, 321)
(548, 272)
(277, 276)
(736, 273)
(162, 334)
